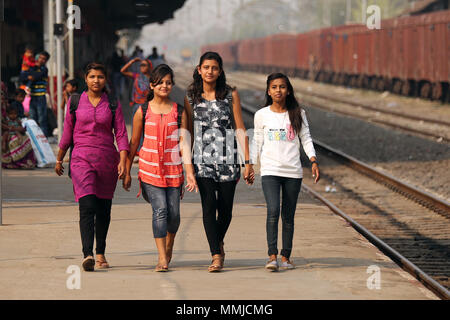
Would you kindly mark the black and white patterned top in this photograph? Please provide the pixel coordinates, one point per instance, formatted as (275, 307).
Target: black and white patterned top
(215, 146)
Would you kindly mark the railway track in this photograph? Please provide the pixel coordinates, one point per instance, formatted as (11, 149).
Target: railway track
(408, 225)
(437, 129)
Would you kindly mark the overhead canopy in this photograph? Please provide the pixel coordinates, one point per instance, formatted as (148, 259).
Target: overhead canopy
(136, 13)
(423, 6)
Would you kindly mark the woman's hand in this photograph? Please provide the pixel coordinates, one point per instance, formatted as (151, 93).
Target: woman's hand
(59, 169)
(127, 182)
(315, 172)
(121, 169)
(191, 184)
(249, 174)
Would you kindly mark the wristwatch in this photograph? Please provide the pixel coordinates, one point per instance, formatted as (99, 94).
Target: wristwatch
(314, 162)
(247, 161)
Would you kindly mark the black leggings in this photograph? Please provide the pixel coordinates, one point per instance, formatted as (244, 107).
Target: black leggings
(95, 216)
(222, 203)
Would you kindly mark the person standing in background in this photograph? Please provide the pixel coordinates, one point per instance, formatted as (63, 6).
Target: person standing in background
(38, 75)
(155, 58)
(116, 63)
(140, 83)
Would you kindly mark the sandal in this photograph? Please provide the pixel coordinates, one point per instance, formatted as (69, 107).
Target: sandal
(102, 263)
(216, 263)
(88, 263)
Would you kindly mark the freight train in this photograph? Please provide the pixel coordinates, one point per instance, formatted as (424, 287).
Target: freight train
(408, 55)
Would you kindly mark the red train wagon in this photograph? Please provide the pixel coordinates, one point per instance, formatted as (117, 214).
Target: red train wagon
(342, 53)
(302, 55)
(228, 53)
(408, 55)
(250, 53)
(280, 53)
(435, 78)
(326, 54)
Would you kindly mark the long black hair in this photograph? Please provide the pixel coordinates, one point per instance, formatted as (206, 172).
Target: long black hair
(294, 108)
(195, 89)
(156, 76)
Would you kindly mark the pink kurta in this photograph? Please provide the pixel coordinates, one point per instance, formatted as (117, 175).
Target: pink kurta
(94, 157)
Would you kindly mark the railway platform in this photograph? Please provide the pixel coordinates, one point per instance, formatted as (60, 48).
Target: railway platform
(40, 241)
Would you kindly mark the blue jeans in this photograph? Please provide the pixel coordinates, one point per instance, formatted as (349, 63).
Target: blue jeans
(166, 208)
(38, 112)
(290, 188)
(135, 108)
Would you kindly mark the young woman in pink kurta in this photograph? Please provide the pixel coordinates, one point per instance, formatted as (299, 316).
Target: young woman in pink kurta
(96, 165)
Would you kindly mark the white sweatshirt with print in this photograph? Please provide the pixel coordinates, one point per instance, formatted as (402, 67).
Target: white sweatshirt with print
(277, 146)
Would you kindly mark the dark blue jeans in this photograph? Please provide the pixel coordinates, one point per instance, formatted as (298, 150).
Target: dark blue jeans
(166, 208)
(38, 112)
(290, 188)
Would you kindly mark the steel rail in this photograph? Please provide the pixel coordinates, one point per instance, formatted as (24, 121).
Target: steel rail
(400, 260)
(438, 205)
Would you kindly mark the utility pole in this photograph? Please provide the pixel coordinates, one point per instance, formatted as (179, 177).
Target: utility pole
(364, 11)
(59, 66)
(1, 94)
(71, 63)
(348, 15)
(218, 8)
(326, 11)
(51, 42)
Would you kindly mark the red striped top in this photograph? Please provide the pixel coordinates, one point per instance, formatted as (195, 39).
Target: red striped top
(159, 158)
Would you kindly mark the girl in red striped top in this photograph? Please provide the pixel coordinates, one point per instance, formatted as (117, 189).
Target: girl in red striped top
(160, 160)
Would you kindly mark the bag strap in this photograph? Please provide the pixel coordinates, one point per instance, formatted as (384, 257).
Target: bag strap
(74, 101)
(180, 109)
(144, 113)
(113, 107)
(229, 97)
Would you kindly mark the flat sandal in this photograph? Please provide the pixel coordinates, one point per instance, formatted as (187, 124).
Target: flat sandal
(216, 263)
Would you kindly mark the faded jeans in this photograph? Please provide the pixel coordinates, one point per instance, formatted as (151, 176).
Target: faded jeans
(290, 188)
(38, 112)
(166, 208)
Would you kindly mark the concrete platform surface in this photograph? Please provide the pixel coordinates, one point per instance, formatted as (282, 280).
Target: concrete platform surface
(40, 241)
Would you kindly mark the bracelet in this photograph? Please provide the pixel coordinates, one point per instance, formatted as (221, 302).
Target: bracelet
(59, 161)
(312, 162)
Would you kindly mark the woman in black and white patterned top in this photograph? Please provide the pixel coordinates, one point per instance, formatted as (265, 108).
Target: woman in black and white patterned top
(216, 120)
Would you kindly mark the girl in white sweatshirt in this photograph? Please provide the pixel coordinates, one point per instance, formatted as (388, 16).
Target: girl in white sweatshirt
(279, 129)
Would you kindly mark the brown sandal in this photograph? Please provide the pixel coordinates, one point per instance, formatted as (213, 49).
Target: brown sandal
(216, 263)
(102, 263)
(88, 264)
